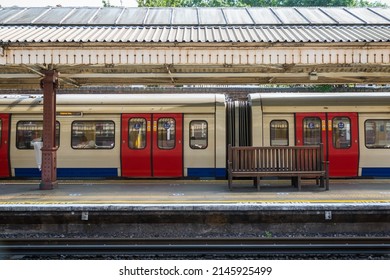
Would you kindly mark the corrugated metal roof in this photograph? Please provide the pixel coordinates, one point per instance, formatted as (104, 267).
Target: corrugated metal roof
(115, 16)
(183, 34)
(253, 25)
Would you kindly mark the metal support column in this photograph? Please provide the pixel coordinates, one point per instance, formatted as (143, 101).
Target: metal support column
(49, 84)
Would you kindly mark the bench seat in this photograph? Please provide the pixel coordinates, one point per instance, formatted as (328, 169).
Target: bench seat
(293, 162)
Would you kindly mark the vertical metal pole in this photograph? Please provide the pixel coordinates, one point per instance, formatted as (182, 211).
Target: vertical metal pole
(49, 84)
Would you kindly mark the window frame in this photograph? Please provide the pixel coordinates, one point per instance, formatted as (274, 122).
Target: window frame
(304, 130)
(189, 135)
(365, 133)
(288, 132)
(350, 133)
(91, 148)
(57, 140)
(158, 134)
(146, 132)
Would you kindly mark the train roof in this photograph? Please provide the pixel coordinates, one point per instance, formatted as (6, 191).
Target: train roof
(114, 103)
(114, 99)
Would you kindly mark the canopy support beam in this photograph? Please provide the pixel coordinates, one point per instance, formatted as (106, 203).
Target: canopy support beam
(49, 84)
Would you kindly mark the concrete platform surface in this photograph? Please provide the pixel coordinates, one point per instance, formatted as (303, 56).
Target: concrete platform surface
(211, 194)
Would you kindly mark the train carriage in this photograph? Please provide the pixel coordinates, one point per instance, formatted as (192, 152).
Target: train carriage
(186, 135)
(354, 127)
(111, 135)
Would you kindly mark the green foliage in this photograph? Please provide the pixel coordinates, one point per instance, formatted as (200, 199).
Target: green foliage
(364, 3)
(319, 3)
(213, 3)
(106, 3)
(257, 3)
(322, 88)
(160, 3)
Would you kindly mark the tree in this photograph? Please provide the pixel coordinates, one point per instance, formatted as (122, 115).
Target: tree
(258, 3)
(160, 3)
(319, 3)
(213, 3)
(106, 3)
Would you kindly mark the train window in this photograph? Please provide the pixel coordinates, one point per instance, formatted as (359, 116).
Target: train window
(198, 134)
(377, 134)
(341, 133)
(28, 132)
(166, 133)
(93, 135)
(137, 133)
(311, 131)
(279, 133)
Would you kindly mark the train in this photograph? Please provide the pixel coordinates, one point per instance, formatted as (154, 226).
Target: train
(186, 135)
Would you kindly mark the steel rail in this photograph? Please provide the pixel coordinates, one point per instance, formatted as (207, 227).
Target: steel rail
(201, 246)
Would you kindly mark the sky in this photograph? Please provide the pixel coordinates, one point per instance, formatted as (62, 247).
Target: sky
(78, 3)
(66, 3)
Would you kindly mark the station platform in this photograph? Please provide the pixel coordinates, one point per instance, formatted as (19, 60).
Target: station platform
(18, 195)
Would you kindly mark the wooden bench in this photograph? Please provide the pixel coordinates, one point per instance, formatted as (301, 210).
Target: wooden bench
(295, 162)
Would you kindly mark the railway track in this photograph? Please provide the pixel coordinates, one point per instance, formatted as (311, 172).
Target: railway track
(10, 248)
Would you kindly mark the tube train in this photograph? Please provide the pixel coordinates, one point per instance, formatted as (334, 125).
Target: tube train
(186, 135)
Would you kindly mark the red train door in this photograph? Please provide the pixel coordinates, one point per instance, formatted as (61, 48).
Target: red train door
(343, 144)
(167, 145)
(339, 134)
(136, 152)
(152, 145)
(4, 145)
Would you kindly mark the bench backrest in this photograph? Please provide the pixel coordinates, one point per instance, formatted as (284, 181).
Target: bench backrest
(274, 159)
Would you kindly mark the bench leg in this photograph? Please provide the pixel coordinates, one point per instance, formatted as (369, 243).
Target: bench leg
(294, 181)
(327, 182)
(327, 175)
(230, 181)
(258, 183)
(299, 182)
(322, 181)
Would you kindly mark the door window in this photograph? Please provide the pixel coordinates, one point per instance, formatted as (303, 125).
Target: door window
(137, 133)
(341, 133)
(311, 131)
(166, 133)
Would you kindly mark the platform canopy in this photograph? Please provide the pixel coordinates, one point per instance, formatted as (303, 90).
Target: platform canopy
(176, 46)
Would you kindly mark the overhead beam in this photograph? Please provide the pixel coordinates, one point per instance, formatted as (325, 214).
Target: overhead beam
(39, 70)
(77, 75)
(19, 76)
(288, 54)
(221, 75)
